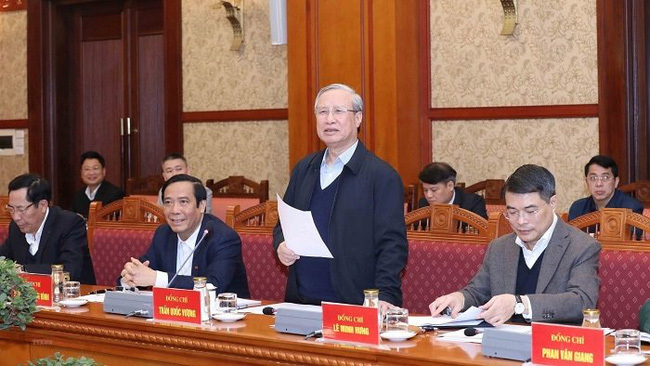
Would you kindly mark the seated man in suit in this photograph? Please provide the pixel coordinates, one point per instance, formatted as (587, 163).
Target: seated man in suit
(439, 186)
(40, 235)
(545, 270)
(93, 173)
(601, 178)
(218, 256)
(174, 164)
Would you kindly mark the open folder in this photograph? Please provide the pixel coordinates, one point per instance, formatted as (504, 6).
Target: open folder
(300, 232)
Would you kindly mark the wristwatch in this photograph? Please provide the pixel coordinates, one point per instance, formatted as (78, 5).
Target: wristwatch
(519, 306)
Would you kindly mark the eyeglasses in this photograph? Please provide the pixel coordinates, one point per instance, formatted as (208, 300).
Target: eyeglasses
(603, 178)
(336, 111)
(514, 215)
(17, 210)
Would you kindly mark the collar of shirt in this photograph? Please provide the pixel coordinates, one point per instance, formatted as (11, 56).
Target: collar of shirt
(91, 195)
(34, 239)
(453, 197)
(184, 250)
(328, 174)
(531, 256)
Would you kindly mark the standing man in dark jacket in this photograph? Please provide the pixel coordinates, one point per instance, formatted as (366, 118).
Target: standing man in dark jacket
(356, 200)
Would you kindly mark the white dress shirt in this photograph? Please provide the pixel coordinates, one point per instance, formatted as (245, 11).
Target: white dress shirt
(328, 174)
(531, 256)
(184, 251)
(34, 239)
(91, 194)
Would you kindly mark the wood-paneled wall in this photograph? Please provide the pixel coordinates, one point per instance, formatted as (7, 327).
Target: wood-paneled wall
(372, 46)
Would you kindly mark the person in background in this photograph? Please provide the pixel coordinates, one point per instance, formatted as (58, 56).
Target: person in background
(93, 172)
(174, 164)
(601, 179)
(439, 186)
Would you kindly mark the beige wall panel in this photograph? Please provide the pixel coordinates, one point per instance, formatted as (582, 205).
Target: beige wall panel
(257, 150)
(550, 59)
(13, 61)
(215, 78)
(12, 166)
(480, 150)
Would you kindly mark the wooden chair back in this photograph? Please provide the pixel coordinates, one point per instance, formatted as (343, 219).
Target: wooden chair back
(639, 190)
(129, 212)
(448, 222)
(261, 218)
(145, 186)
(237, 186)
(618, 225)
(490, 190)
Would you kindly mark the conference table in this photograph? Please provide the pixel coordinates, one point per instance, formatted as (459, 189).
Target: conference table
(116, 340)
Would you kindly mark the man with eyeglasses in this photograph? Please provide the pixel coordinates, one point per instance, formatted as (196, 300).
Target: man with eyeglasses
(93, 172)
(357, 202)
(546, 270)
(40, 235)
(601, 178)
(217, 247)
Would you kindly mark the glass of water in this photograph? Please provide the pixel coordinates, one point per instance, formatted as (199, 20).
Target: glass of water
(227, 303)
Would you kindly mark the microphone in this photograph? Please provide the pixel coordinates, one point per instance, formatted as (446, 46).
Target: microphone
(269, 310)
(209, 227)
(472, 331)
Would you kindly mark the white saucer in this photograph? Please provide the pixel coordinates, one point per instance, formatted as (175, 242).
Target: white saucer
(622, 359)
(73, 303)
(397, 335)
(229, 317)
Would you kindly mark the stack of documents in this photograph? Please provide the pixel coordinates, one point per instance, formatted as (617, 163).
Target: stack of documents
(466, 318)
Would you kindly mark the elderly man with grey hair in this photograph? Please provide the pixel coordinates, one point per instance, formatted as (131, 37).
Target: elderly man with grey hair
(356, 200)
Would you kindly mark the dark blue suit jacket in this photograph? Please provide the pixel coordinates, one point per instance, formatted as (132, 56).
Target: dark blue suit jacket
(218, 258)
(587, 205)
(367, 233)
(465, 200)
(63, 242)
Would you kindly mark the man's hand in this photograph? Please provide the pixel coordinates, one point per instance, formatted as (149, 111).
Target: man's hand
(136, 273)
(499, 309)
(286, 255)
(454, 301)
(384, 306)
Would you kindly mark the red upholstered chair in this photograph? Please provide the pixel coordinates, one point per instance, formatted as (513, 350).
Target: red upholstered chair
(445, 254)
(121, 230)
(437, 267)
(625, 285)
(267, 277)
(236, 190)
(618, 225)
(490, 189)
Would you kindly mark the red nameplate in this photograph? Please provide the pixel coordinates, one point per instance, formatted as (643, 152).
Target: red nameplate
(350, 323)
(555, 344)
(42, 283)
(177, 305)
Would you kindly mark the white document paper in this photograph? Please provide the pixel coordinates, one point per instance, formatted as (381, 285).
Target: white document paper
(467, 317)
(300, 232)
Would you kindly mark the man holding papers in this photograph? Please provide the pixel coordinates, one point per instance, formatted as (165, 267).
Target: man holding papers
(356, 200)
(545, 271)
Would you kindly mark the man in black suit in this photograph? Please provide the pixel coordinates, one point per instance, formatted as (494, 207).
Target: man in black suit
(40, 235)
(439, 186)
(218, 258)
(93, 172)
